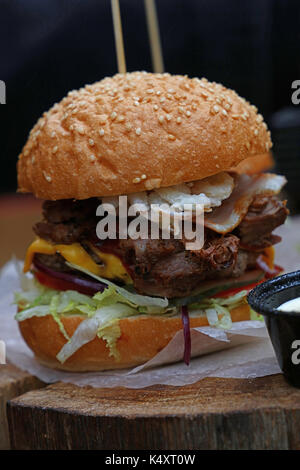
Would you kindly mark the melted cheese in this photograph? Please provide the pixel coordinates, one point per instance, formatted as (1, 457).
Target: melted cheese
(112, 266)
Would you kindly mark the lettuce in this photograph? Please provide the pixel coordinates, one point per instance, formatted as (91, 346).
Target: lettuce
(130, 297)
(88, 329)
(217, 309)
(103, 311)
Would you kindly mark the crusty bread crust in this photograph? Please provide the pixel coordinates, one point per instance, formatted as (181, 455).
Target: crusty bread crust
(141, 339)
(136, 132)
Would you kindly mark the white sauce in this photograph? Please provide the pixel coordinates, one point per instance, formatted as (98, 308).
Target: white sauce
(290, 306)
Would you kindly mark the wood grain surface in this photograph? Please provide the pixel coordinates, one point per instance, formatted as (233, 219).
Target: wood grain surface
(13, 382)
(262, 413)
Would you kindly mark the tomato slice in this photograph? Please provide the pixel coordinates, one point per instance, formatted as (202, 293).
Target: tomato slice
(236, 290)
(52, 282)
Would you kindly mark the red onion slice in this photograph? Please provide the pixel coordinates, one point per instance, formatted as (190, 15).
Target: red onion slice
(186, 334)
(84, 286)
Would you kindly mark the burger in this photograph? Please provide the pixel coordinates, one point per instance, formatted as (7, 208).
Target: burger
(90, 304)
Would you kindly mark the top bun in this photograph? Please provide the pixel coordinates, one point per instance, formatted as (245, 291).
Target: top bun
(136, 132)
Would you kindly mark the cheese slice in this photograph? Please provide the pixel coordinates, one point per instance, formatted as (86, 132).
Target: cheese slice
(112, 267)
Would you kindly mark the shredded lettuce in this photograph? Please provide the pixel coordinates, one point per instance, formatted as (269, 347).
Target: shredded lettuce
(88, 329)
(217, 309)
(256, 316)
(111, 332)
(103, 311)
(134, 299)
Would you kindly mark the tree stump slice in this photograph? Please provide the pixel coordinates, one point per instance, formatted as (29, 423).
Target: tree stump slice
(215, 413)
(13, 382)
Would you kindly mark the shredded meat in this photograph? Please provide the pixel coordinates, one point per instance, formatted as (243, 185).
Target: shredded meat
(68, 221)
(264, 215)
(163, 267)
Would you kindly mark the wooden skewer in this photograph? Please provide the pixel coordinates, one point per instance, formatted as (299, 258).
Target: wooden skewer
(118, 35)
(153, 29)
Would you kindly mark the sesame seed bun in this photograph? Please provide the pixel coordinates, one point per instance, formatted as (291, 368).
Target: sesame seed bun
(141, 339)
(136, 132)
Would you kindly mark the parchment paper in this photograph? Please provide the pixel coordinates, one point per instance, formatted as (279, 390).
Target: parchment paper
(244, 351)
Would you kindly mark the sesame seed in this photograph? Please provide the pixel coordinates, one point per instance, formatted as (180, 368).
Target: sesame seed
(181, 109)
(216, 108)
(32, 159)
(54, 150)
(170, 90)
(162, 99)
(168, 117)
(138, 131)
(248, 145)
(215, 157)
(136, 103)
(188, 113)
(71, 127)
(113, 115)
(255, 131)
(92, 158)
(224, 112)
(155, 107)
(227, 106)
(178, 120)
(235, 116)
(158, 93)
(267, 146)
(26, 152)
(47, 177)
(136, 180)
(128, 126)
(194, 107)
(143, 177)
(53, 134)
(150, 91)
(121, 118)
(91, 142)
(171, 137)
(204, 94)
(217, 165)
(80, 130)
(101, 132)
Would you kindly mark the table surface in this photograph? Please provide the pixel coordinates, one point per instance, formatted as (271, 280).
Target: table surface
(261, 413)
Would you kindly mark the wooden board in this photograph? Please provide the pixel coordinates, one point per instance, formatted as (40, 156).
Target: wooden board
(262, 413)
(13, 382)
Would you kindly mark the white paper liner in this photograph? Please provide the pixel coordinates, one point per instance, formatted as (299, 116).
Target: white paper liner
(244, 351)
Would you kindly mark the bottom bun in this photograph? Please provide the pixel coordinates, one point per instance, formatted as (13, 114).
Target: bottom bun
(141, 339)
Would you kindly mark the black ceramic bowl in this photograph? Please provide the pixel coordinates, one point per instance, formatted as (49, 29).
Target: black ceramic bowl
(283, 327)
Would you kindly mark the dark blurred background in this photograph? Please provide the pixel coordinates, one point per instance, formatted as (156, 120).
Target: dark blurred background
(48, 47)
